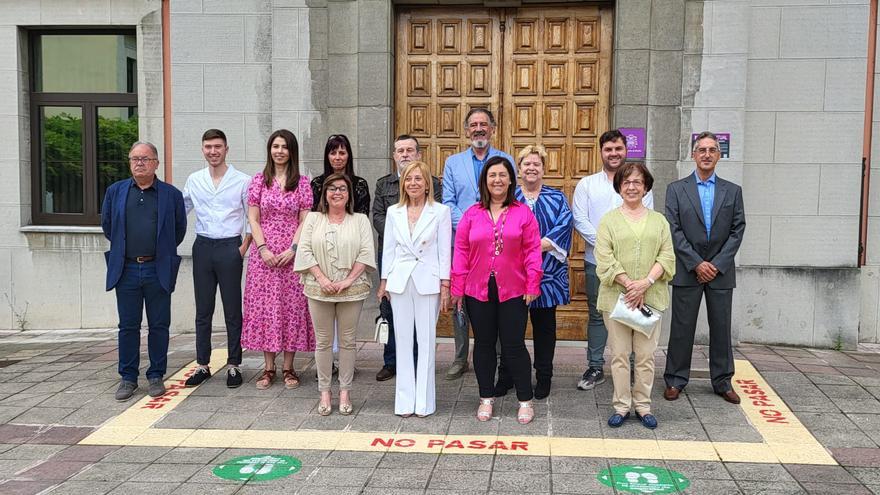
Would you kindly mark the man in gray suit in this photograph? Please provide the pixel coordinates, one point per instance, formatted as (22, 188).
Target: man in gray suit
(707, 221)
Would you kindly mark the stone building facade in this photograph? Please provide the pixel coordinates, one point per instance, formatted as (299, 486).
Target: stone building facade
(786, 78)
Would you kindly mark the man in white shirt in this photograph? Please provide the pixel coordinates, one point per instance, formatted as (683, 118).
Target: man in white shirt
(593, 197)
(218, 193)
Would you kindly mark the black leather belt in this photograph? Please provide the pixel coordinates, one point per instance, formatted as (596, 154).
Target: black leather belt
(141, 259)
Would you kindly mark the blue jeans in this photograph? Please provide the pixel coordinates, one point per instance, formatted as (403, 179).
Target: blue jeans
(389, 355)
(139, 285)
(597, 333)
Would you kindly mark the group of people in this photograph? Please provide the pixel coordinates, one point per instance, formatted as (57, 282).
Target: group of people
(489, 243)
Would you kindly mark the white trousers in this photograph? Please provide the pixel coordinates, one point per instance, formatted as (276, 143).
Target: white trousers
(415, 387)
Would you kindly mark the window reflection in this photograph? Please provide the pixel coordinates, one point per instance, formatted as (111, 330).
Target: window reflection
(61, 159)
(117, 130)
(86, 63)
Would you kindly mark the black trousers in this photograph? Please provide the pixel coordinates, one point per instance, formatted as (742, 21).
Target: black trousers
(217, 262)
(685, 309)
(544, 338)
(505, 321)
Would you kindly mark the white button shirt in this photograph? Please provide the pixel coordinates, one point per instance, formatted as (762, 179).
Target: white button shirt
(593, 197)
(221, 212)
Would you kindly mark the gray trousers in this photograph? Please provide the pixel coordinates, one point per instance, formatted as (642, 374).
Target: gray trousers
(597, 332)
(685, 309)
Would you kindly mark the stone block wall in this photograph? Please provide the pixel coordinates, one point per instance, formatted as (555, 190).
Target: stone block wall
(786, 79)
(57, 273)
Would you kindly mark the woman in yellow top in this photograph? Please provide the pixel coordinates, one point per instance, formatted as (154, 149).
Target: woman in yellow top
(334, 257)
(634, 256)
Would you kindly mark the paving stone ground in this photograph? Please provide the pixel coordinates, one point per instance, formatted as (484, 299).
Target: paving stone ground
(56, 388)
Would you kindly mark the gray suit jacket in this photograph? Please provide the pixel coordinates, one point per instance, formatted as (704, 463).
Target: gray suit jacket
(685, 215)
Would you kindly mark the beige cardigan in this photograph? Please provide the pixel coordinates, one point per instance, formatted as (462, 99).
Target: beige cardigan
(335, 249)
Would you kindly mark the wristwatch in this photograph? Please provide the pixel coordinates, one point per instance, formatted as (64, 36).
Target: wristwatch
(650, 280)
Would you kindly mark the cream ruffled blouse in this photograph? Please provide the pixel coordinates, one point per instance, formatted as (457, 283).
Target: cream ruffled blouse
(335, 248)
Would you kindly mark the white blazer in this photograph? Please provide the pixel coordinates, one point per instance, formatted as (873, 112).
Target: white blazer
(425, 255)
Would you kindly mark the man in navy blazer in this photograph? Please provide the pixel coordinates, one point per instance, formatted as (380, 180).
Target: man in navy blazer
(707, 221)
(145, 220)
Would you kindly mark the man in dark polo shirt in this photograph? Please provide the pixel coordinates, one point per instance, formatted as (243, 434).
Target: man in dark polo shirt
(145, 220)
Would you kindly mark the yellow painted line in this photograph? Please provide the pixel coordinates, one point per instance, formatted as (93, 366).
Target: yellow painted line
(140, 417)
(786, 440)
(789, 440)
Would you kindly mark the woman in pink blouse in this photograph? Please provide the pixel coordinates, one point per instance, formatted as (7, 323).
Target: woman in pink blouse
(496, 272)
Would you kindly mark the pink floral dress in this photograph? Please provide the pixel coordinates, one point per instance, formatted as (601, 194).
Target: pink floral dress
(276, 312)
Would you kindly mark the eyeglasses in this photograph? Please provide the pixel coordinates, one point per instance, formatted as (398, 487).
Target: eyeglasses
(634, 182)
(341, 189)
(142, 159)
(703, 151)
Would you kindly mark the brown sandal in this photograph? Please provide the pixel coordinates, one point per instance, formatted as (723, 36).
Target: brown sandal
(291, 379)
(265, 380)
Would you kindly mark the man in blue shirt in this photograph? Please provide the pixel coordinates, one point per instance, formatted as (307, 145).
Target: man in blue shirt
(707, 221)
(460, 191)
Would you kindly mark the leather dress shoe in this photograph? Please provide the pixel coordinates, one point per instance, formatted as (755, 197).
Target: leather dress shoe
(386, 373)
(671, 393)
(729, 396)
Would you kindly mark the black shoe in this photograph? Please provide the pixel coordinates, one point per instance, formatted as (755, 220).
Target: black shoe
(591, 378)
(502, 387)
(198, 377)
(542, 388)
(386, 373)
(233, 377)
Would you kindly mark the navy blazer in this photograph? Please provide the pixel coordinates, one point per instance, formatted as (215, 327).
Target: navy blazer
(684, 211)
(171, 230)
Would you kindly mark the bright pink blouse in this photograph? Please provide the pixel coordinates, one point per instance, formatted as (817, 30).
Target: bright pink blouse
(518, 266)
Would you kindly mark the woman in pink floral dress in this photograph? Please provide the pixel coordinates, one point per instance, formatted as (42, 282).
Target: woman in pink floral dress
(276, 313)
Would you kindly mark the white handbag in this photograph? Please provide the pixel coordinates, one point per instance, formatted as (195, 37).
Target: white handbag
(642, 319)
(381, 333)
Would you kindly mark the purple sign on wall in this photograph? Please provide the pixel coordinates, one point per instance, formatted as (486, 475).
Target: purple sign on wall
(635, 141)
(723, 143)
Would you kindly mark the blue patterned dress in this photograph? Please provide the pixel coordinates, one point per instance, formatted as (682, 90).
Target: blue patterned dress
(555, 221)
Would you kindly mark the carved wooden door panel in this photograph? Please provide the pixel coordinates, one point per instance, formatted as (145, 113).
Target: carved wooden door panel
(556, 80)
(447, 63)
(543, 71)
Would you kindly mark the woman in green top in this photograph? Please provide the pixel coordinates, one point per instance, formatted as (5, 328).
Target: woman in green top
(634, 257)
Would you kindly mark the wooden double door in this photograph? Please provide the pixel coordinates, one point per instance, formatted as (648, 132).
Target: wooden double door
(543, 71)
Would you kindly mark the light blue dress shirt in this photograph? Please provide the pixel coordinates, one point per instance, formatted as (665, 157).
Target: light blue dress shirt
(707, 199)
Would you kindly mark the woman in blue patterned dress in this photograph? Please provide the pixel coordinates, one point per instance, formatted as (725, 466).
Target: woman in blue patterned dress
(554, 218)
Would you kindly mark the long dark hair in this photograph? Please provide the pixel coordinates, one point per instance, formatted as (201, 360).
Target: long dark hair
(292, 163)
(485, 197)
(338, 141)
(323, 207)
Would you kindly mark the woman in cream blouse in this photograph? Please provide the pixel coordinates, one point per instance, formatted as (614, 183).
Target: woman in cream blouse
(334, 255)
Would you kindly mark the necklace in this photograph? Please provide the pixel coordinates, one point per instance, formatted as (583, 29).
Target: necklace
(412, 215)
(498, 232)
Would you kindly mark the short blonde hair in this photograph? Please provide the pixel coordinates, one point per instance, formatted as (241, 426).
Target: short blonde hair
(532, 149)
(426, 175)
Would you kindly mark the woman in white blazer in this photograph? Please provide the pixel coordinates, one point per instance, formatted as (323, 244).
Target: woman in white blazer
(416, 258)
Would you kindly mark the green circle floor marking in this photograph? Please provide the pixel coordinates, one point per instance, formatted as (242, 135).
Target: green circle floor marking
(262, 467)
(643, 479)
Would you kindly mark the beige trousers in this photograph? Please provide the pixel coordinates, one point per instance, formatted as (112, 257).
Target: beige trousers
(623, 340)
(342, 316)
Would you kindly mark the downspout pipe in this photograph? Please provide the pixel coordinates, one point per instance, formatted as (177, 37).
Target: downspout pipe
(166, 87)
(868, 133)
